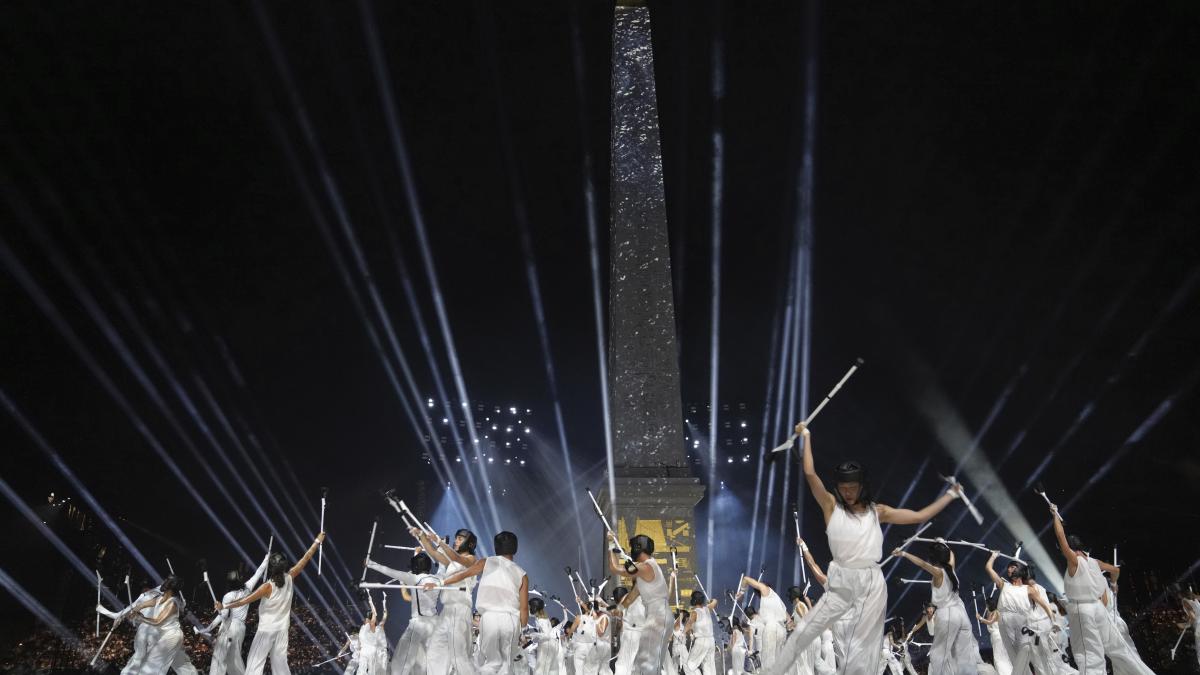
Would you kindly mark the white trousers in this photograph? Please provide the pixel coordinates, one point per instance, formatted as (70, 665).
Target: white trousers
(498, 633)
(738, 656)
(954, 650)
(227, 651)
(271, 645)
(1000, 658)
(167, 654)
(450, 648)
(770, 644)
(548, 657)
(409, 656)
(1095, 636)
(859, 598)
(655, 636)
(631, 639)
(352, 666)
(681, 655)
(143, 642)
(700, 657)
(1017, 645)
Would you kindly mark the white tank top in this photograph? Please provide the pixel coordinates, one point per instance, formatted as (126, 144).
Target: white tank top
(458, 597)
(500, 586)
(366, 641)
(1083, 587)
(1013, 599)
(275, 610)
(654, 590)
(772, 609)
(703, 626)
(855, 541)
(606, 636)
(1036, 613)
(944, 596)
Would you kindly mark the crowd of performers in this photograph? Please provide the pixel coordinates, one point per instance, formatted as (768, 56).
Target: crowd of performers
(474, 614)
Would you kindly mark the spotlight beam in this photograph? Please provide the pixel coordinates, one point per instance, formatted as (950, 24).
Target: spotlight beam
(718, 167)
(758, 476)
(400, 154)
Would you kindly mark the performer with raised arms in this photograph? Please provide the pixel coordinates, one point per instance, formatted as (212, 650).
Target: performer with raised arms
(227, 648)
(774, 615)
(1093, 633)
(451, 645)
(410, 648)
(701, 655)
(954, 650)
(1000, 658)
(852, 523)
(503, 603)
(1018, 598)
(167, 652)
(274, 613)
(651, 587)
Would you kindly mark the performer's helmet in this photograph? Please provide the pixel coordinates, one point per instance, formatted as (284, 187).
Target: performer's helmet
(233, 579)
(795, 593)
(751, 612)
(420, 564)
(698, 598)
(850, 472)
(505, 543)
(554, 622)
(536, 605)
(1018, 570)
(640, 544)
(1076, 543)
(683, 614)
(170, 583)
(619, 594)
(469, 541)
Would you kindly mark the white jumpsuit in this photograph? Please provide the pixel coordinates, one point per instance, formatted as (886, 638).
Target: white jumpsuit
(227, 647)
(774, 615)
(499, 605)
(954, 650)
(368, 654)
(631, 636)
(856, 595)
(271, 638)
(1048, 655)
(1013, 606)
(409, 655)
(355, 649)
(167, 652)
(144, 638)
(1195, 605)
(656, 624)
(585, 645)
(603, 651)
(701, 655)
(737, 650)
(450, 649)
(1000, 658)
(1118, 620)
(679, 649)
(548, 647)
(888, 660)
(1093, 633)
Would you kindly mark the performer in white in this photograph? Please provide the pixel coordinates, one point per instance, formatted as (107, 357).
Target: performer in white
(368, 655)
(1018, 600)
(167, 652)
(679, 649)
(145, 635)
(954, 650)
(852, 523)
(353, 643)
(632, 612)
(808, 662)
(738, 641)
(1049, 656)
(546, 637)
(227, 646)
(503, 603)
(701, 655)
(274, 612)
(1093, 633)
(773, 614)
(888, 660)
(587, 638)
(652, 590)
(1000, 660)
(450, 648)
(409, 653)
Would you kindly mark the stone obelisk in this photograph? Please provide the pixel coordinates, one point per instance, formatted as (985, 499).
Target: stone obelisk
(656, 493)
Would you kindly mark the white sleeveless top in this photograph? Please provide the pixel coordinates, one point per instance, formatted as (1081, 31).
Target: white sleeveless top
(1083, 587)
(944, 596)
(275, 610)
(703, 626)
(1036, 613)
(500, 586)
(772, 609)
(1013, 600)
(585, 632)
(458, 597)
(237, 613)
(855, 541)
(654, 590)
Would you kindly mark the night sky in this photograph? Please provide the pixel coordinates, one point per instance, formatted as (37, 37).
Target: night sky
(1005, 219)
